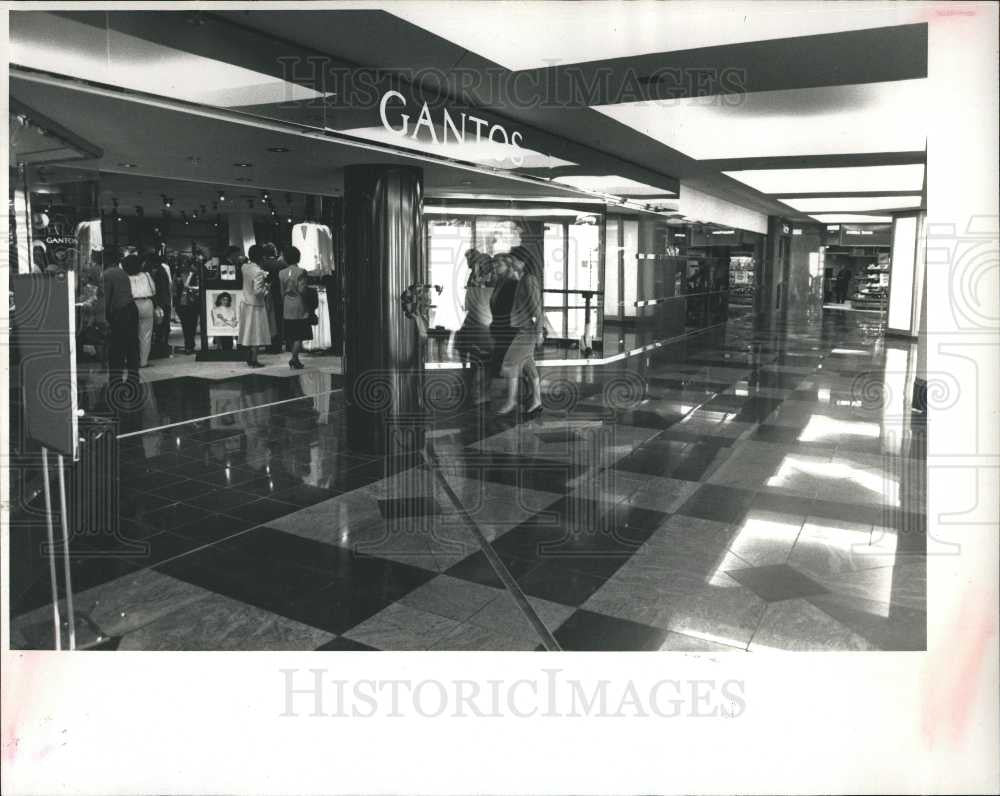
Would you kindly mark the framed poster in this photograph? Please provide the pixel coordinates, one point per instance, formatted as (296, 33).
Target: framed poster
(222, 312)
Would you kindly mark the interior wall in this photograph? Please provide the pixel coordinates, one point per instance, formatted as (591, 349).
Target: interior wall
(802, 246)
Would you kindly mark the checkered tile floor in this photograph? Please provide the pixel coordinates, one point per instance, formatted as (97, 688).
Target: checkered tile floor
(755, 495)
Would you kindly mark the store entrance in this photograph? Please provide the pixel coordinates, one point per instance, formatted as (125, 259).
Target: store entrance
(187, 243)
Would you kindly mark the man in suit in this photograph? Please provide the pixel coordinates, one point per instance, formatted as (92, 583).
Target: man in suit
(123, 321)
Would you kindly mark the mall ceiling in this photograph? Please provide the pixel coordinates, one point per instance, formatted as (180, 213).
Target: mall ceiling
(765, 112)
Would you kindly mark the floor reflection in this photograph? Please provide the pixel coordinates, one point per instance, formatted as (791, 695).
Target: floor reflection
(755, 489)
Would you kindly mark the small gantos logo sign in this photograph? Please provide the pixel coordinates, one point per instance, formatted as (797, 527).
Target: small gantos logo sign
(467, 129)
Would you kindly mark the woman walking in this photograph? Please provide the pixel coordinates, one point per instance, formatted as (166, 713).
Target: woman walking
(295, 315)
(528, 322)
(473, 341)
(255, 329)
(501, 304)
(143, 291)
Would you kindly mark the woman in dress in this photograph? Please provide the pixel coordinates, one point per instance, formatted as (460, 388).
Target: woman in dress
(501, 303)
(143, 291)
(473, 341)
(296, 326)
(255, 328)
(528, 322)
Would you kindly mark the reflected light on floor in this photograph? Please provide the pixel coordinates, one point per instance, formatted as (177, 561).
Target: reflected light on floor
(763, 531)
(791, 466)
(823, 427)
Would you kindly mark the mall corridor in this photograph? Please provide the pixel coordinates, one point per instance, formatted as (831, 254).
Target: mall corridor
(760, 492)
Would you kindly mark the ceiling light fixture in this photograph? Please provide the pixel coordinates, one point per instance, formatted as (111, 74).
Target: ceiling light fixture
(278, 149)
(127, 165)
(906, 177)
(242, 165)
(222, 196)
(853, 204)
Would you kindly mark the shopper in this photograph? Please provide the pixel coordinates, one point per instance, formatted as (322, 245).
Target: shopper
(189, 305)
(501, 304)
(473, 341)
(122, 317)
(527, 319)
(143, 291)
(295, 312)
(272, 264)
(162, 300)
(255, 327)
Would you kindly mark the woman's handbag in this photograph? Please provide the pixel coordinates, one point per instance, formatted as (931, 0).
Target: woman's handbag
(310, 298)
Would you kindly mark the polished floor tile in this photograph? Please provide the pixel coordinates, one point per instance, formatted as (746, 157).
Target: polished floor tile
(218, 623)
(586, 630)
(718, 503)
(400, 627)
(776, 582)
(798, 625)
(746, 490)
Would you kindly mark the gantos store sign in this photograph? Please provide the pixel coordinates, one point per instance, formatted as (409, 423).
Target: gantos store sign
(468, 129)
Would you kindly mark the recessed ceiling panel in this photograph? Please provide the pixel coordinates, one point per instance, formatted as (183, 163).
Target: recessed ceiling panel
(849, 218)
(52, 43)
(612, 184)
(854, 203)
(909, 177)
(833, 120)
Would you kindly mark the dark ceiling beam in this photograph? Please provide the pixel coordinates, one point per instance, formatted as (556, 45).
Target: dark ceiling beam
(817, 161)
(873, 55)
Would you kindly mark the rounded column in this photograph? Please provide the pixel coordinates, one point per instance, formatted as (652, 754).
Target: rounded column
(383, 255)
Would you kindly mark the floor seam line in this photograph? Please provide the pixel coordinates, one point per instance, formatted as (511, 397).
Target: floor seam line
(140, 432)
(495, 562)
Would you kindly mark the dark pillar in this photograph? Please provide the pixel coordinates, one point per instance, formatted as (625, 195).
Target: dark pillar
(383, 224)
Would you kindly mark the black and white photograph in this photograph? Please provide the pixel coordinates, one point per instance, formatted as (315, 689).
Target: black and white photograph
(472, 329)
(223, 312)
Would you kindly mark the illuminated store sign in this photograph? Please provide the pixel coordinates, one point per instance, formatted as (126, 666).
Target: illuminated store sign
(467, 129)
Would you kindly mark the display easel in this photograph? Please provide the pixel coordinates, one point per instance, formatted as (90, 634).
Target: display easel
(211, 279)
(43, 333)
